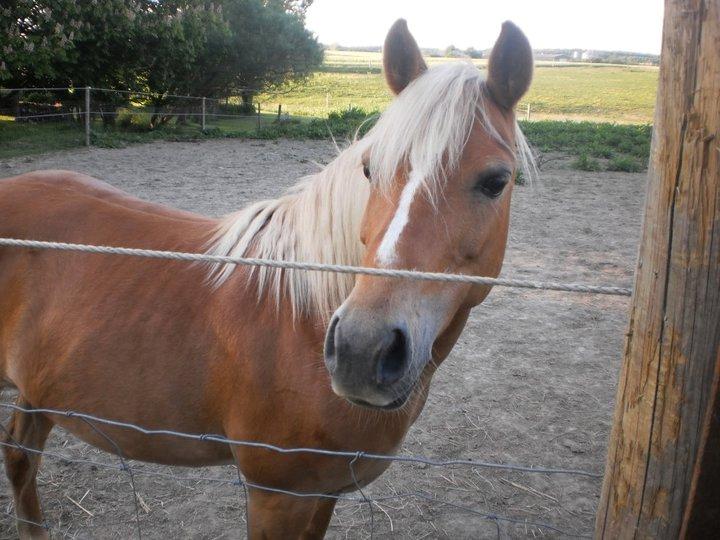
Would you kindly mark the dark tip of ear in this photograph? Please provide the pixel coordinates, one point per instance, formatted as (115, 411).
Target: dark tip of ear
(509, 26)
(402, 59)
(510, 66)
(398, 26)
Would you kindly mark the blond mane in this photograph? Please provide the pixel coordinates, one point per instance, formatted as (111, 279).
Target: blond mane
(318, 220)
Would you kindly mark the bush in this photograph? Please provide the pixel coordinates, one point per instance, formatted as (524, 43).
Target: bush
(340, 125)
(624, 164)
(584, 163)
(124, 120)
(238, 108)
(598, 140)
(133, 120)
(601, 151)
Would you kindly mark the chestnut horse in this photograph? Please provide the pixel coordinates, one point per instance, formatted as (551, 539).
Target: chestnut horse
(296, 359)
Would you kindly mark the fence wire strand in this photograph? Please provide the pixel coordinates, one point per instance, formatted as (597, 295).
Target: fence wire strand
(241, 483)
(318, 267)
(317, 451)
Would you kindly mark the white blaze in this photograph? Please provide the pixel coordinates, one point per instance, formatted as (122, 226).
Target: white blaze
(386, 253)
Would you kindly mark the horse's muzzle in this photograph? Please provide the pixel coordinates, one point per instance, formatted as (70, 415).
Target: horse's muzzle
(369, 359)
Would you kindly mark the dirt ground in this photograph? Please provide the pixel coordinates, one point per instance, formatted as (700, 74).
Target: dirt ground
(531, 381)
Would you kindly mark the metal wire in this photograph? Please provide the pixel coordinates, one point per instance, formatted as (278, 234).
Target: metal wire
(161, 113)
(351, 465)
(49, 115)
(242, 483)
(341, 269)
(316, 451)
(78, 89)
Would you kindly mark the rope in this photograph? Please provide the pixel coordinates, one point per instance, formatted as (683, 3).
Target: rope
(318, 267)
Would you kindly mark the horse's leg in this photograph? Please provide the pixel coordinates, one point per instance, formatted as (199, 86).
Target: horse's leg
(277, 516)
(320, 520)
(30, 431)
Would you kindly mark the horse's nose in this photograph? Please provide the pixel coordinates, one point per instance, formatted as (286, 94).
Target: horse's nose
(330, 348)
(392, 358)
(362, 352)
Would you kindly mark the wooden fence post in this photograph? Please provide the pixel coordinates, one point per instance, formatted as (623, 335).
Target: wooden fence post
(671, 351)
(203, 114)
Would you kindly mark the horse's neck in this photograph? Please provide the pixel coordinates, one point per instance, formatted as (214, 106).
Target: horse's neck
(318, 220)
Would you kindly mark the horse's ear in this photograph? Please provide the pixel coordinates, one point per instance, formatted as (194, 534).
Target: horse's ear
(402, 59)
(510, 66)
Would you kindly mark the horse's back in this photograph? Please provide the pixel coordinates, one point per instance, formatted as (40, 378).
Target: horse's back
(34, 198)
(65, 206)
(76, 326)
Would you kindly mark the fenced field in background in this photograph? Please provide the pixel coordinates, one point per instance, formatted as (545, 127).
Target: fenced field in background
(37, 120)
(34, 120)
(98, 110)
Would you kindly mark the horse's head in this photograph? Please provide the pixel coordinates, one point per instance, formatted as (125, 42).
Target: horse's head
(441, 163)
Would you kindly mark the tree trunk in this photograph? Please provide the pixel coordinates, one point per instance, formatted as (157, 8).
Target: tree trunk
(671, 352)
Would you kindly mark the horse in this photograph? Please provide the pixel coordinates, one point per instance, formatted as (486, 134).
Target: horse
(290, 358)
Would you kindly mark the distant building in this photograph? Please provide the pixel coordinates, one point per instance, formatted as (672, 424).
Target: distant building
(552, 57)
(590, 55)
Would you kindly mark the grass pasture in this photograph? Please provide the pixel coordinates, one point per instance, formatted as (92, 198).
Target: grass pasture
(599, 113)
(560, 90)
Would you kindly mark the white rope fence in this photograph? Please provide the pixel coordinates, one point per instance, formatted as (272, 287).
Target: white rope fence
(318, 267)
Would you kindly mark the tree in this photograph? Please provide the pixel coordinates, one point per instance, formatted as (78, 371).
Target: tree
(68, 43)
(231, 46)
(451, 51)
(168, 46)
(270, 45)
(298, 7)
(186, 47)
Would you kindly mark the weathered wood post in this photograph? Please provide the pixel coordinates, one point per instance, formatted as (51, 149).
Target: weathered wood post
(202, 123)
(671, 354)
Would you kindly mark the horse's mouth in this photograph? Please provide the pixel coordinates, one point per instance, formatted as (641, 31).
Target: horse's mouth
(393, 405)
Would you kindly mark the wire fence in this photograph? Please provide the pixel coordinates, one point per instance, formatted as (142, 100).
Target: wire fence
(352, 457)
(100, 111)
(96, 115)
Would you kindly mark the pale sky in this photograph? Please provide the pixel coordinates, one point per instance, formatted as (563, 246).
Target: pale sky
(622, 25)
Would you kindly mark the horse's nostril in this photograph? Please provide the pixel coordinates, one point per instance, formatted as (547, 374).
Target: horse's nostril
(330, 356)
(392, 360)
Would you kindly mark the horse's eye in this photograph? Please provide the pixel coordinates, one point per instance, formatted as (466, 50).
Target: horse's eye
(366, 171)
(492, 184)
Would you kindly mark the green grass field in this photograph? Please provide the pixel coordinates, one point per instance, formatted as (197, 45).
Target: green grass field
(592, 111)
(561, 91)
